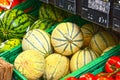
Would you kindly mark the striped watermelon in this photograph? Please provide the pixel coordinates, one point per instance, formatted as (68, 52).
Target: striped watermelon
(66, 38)
(57, 66)
(44, 24)
(31, 18)
(50, 12)
(0, 36)
(14, 24)
(38, 40)
(0, 40)
(103, 40)
(89, 30)
(81, 58)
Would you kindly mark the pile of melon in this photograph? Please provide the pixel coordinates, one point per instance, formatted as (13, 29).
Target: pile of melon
(68, 48)
(14, 23)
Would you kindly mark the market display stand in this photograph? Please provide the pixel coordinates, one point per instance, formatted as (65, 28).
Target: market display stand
(105, 13)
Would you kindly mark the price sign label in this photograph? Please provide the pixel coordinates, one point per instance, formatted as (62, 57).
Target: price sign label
(60, 3)
(70, 5)
(116, 24)
(96, 11)
(46, 1)
(95, 16)
(67, 5)
(100, 5)
(116, 10)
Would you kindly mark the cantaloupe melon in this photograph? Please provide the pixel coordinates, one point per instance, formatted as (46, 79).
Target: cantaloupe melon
(38, 40)
(31, 64)
(57, 66)
(67, 38)
(89, 30)
(102, 40)
(107, 49)
(81, 58)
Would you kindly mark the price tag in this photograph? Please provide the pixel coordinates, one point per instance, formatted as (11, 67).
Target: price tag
(67, 5)
(100, 5)
(116, 24)
(46, 1)
(96, 11)
(95, 16)
(116, 10)
(70, 5)
(60, 3)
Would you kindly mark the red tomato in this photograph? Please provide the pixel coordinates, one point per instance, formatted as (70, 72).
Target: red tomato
(103, 76)
(117, 76)
(71, 78)
(112, 64)
(87, 76)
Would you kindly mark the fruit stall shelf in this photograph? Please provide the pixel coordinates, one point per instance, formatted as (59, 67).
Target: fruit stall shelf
(95, 66)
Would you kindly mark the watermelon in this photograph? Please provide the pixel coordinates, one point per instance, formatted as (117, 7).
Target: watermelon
(14, 24)
(31, 18)
(49, 11)
(44, 24)
(0, 36)
(0, 40)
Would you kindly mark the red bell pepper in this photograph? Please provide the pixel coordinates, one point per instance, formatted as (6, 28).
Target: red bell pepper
(112, 64)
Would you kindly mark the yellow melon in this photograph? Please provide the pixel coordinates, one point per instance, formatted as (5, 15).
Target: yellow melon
(57, 66)
(81, 58)
(38, 40)
(107, 49)
(88, 31)
(31, 64)
(102, 40)
(67, 38)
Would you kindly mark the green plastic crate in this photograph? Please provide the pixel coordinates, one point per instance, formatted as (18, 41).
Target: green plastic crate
(13, 53)
(97, 65)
